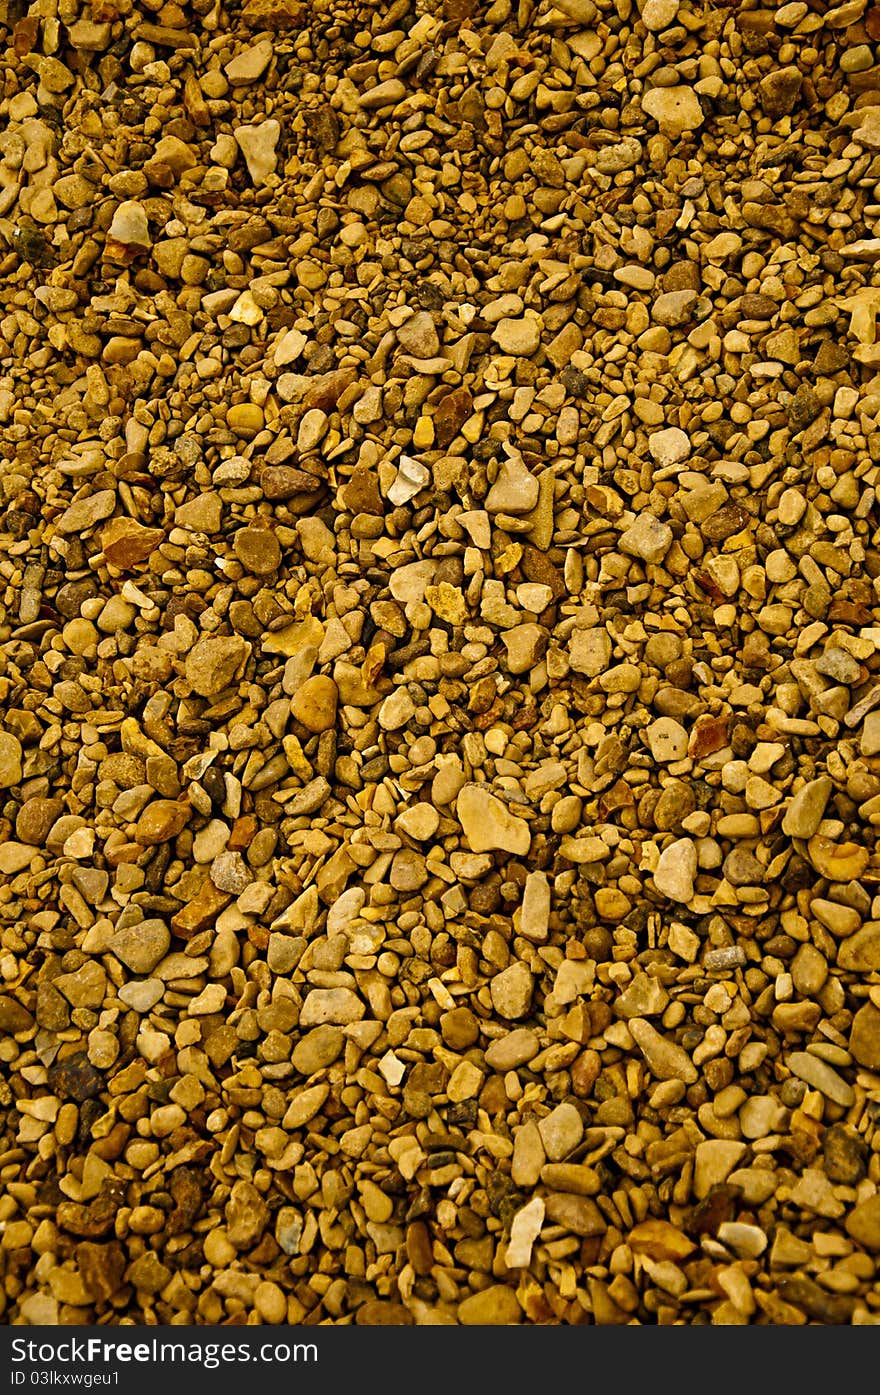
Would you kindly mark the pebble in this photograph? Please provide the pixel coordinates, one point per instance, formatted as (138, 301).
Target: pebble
(676, 869)
(488, 824)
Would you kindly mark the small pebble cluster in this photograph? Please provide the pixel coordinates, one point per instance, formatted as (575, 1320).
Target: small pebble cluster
(439, 662)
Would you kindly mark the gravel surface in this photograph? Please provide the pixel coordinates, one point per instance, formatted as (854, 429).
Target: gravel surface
(440, 685)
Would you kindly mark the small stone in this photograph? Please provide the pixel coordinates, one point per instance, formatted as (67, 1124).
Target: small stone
(258, 550)
(495, 1306)
(141, 947)
(647, 539)
(513, 1049)
(561, 1131)
(334, 1005)
(779, 90)
(659, 14)
(520, 337)
(314, 704)
(129, 225)
(535, 911)
(162, 820)
(821, 1076)
(258, 146)
(515, 489)
(488, 824)
(10, 760)
(418, 336)
(250, 64)
(669, 447)
(807, 808)
(666, 1060)
(863, 1224)
(860, 953)
(524, 1231)
(676, 870)
(864, 1042)
(212, 663)
(667, 739)
(714, 1161)
(318, 1049)
(383, 94)
(511, 991)
(676, 110)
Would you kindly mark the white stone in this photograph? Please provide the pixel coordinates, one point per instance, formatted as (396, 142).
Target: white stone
(669, 447)
(524, 1231)
(250, 64)
(675, 109)
(667, 739)
(257, 145)
(130, 226)
(412, 477)
(676, 869)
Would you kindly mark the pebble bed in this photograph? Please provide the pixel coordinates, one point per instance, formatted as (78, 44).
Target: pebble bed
(439, 662)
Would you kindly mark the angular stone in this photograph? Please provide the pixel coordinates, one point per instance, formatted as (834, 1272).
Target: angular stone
(258, 146)
(212, 663)
(676, 870)
(488, 824)
(337, 1006)
(511, 991)
(648, 539)
(666, 1060)
(676, 110)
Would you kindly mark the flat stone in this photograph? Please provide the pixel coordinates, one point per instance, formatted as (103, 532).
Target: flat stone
(863, 1224)
(590, 651)
(511, 991)
(258, 550)
(669, 447)
(251, 63)
(212, 663)
(524, 1231)
(666, 1060)
(140, 947)
(515, 489)
(578, 1214)
(676, 110)
(561, 1131)
(337, 1006)
(714, 1161)
(676, 870)
(129, 225)
(496, 1306)
(821, 1076)
(648, 539)
(864, 1042)
(418, 336)
(513, 1049)
(534, 916)
(488, 824)
(807, 808)
(258, 146)
(667, 740)
(83, 514)
(520, 337)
